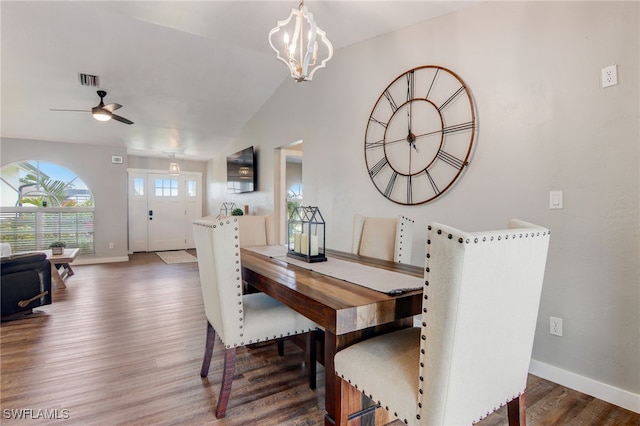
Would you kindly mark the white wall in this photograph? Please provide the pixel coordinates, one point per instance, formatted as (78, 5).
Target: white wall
(544, 124)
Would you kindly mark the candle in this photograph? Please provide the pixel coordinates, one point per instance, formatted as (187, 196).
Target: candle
(306, 245)
(296, 242)
(314, 245)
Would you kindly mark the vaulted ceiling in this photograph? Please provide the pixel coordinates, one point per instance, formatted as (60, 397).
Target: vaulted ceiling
(189, 74)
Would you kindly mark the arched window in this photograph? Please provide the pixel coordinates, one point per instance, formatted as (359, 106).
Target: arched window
(294, 197)
(43, 202)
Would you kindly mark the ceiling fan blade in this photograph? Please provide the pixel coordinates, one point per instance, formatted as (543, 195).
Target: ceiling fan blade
(112, 107)
(76, 110)
(121, 119)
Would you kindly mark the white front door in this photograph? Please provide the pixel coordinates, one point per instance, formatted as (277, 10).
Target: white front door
(162, 209)
(167, 212)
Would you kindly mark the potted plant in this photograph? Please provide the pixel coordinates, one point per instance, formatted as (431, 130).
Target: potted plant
(57, 247)
(237, 212)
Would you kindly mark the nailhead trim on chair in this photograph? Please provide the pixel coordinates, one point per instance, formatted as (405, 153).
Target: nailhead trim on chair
(239, 284)
(424, 307)
(403, 221)
(497, 408)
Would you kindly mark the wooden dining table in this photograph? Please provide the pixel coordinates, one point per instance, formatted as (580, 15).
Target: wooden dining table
(347, 313)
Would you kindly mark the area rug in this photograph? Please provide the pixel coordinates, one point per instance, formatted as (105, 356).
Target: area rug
(176, 256)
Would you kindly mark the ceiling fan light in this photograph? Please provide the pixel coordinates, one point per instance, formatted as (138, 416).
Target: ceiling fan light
(100, 114)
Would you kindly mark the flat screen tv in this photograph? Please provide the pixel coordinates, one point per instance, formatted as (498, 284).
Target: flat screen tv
(241, 171)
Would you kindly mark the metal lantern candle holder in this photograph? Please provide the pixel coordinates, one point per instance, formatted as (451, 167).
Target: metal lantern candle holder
(226, 209)
(306, 234)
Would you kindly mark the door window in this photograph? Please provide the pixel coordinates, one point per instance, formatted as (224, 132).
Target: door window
(166, 187)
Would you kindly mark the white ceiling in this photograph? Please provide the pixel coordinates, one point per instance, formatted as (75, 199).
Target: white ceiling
(189, 74)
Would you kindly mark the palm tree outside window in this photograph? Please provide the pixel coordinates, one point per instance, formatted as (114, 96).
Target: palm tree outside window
(43, 202)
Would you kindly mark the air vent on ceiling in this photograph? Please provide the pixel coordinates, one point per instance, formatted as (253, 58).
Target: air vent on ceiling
(89, 80)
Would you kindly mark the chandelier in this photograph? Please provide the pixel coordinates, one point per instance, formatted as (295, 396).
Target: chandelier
(301, 44)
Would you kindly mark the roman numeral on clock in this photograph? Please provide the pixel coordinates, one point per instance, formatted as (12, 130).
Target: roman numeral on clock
(378, 167)
(451, 160)
(410, 86)
(451, 98)
(373, 120)
(432, 83)
(432, 182)
(392, 103)
(372, 145)
(392, 182)
(462, 127)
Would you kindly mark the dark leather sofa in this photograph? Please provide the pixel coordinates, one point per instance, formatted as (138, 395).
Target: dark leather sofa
(25, 283)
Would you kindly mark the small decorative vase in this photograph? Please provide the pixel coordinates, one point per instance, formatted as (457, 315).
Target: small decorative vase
(57, 250)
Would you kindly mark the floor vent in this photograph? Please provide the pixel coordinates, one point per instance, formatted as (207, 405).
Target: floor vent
(89, 80)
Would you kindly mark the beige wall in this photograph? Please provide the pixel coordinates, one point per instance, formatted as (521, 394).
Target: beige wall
(544, 124)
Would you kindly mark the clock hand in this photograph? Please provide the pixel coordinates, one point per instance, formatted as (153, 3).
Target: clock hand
(412, 141)
(409, 119)
(410, 161)
(395, 141)
(435, 132)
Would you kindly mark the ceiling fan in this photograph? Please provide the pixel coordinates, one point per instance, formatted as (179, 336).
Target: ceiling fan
(101, 111)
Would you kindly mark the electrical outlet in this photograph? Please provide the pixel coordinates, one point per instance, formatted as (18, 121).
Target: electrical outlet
(609, 76)
(555, 326)
(110, 245)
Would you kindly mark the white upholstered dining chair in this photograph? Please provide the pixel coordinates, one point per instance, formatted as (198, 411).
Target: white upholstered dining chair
(239, 319)
(383, 238)
(472, 353)
(256, 230)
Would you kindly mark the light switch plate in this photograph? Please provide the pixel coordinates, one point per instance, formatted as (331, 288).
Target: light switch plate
(556, 200)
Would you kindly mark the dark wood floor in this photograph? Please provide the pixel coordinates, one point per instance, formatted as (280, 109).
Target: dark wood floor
(123, 343)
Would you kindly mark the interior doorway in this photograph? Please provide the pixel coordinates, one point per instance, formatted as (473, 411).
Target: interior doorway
(162, 208)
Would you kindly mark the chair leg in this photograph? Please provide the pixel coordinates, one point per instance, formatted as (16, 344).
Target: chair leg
(208, 350)
(227, 379)
(310, 358)
(517, 411)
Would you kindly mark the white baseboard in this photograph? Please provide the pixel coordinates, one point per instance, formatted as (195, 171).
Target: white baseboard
(603, 391)
(95, 260)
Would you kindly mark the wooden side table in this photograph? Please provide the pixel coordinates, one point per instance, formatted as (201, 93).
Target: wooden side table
(64, 260)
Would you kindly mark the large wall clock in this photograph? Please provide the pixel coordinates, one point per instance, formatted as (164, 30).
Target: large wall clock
(419, 135)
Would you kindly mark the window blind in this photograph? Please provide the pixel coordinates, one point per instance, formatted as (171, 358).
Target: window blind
(29, 229)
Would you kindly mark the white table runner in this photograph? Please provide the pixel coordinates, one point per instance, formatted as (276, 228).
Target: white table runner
(378, 279)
